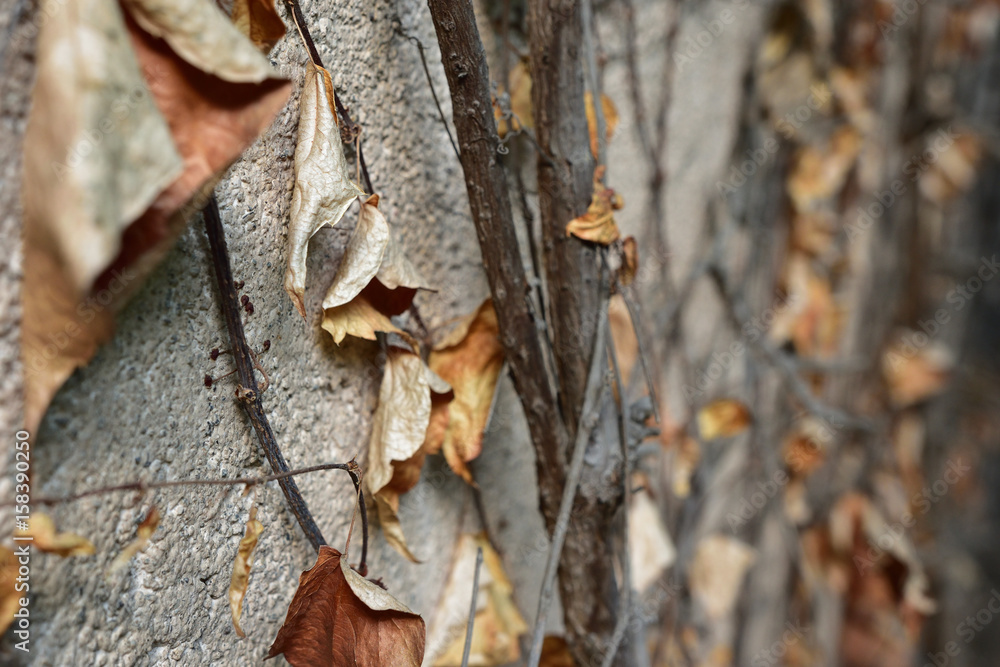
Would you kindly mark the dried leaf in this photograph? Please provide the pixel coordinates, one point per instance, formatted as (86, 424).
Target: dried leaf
(650, 548)
(387, 506)
(555, 653)
(610, 119)
(820, 173)
(398, 430)
(630, 261)
(520, 101)
(241, 568)
(401, 418)
(598, 223)
(722, 419)
(46, 539)
(915, 372)
(111, 168)
(359, 319)
(323, 188)
(9, 595)
(469, 360)
(498, 623)
(362, 256)
(339, 618)
(948, 165)
(717, 572)
(141, 541)
(200, 33)
(258, 20)
(623, 335)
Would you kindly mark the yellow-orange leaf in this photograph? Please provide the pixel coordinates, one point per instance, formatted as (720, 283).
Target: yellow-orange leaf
(498, 623)
(469, 360)
(241, 569)
(598, 223)
(9, 595)
(43, 530)
(610, 119)
(721, 419)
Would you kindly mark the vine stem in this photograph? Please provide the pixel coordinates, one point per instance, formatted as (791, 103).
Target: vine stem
(247, 392)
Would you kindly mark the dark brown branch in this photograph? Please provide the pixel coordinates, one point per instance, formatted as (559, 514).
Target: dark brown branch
(247, 389)
(486, 183)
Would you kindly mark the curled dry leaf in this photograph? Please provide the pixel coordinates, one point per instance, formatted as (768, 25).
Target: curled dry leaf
(124, 132)
(9, 595)
(610, 119)
(598, 223)
(722, 419)
(200, 33)
(373, 282)
(498, 623)
(141, 541)
(717, 572)
(45, 538)
(398, 430)
(555, 653)
(630, 261)
(337, 618)
(241, 568)
(323, 188)
(258, 20)
(469, 360)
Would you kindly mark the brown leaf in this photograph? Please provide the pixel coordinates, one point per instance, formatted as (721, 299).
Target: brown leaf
(46, 539)
(258, 20)
(498, 623)
(630, 261)
(555, 653)
(469, 360)
(650, 548)
(820, 173)
(241, 568)
(598, 223)
(722, 419)
(623, 335)
(123, 133)
(387, 507)
(610, 119)
(362, 256)
(9, 595)
(323, 188)
(141, 541)
(338, 618)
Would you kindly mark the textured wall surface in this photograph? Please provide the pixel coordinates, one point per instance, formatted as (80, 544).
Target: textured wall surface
(140, 410)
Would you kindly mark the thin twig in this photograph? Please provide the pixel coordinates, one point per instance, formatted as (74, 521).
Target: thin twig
(472, 609)
(142, 486)
(247, 389)
(588, 420)
(430, 83)
(625, 606)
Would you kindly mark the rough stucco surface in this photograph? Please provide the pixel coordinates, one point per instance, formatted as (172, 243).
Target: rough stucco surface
(140, 410)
